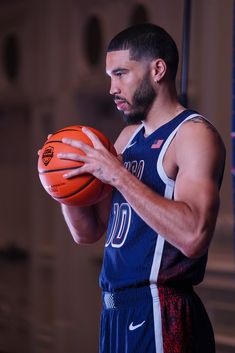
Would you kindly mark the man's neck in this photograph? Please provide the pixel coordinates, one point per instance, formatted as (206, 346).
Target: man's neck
(164, 109)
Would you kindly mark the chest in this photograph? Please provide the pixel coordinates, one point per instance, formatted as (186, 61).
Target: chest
(143, 158)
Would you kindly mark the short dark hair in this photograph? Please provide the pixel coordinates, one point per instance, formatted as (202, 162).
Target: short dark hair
(147, 41)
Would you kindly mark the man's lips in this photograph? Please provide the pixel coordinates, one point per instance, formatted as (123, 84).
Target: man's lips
(121, 104)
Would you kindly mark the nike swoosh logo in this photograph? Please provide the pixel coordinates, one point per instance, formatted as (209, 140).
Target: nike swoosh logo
(133, 327)
(132, 144)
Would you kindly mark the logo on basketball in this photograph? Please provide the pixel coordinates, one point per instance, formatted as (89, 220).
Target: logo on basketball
(48, 155)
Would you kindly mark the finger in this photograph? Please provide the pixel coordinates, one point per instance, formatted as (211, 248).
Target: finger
(94, 139)
(78, 144)
(72, 156)
(39, 151)
(49, 135)
(74, 173)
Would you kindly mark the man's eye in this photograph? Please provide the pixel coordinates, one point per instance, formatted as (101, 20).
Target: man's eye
(119, 74)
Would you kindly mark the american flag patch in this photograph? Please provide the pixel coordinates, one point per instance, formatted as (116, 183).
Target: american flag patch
(157, 143)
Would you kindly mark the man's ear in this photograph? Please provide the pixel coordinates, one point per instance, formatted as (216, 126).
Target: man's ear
(158, 69)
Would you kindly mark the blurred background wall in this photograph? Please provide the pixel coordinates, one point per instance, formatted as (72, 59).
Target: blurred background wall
(52, 74)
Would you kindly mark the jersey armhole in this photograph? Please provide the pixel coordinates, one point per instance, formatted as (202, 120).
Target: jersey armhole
(160, 169)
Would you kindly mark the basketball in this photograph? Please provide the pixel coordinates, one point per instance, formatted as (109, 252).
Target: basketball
(81, 190)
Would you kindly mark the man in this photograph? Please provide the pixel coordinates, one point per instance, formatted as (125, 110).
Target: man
(163, 211)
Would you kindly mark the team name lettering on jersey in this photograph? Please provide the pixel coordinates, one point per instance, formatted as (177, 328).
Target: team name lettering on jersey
(135, 167)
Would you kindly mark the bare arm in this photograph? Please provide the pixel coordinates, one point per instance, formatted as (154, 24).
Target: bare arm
(188, 221)
(87, 224)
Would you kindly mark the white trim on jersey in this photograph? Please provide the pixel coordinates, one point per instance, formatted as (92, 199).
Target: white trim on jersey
(160, 169)
(157, 318)
(157, 258)
(132, 136)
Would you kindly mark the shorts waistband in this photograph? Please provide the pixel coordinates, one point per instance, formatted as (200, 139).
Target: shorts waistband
(133, 296)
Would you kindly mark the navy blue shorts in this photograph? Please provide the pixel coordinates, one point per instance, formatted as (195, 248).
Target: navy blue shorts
(155, 320)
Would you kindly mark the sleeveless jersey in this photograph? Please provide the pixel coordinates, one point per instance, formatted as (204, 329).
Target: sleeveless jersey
(135, 255)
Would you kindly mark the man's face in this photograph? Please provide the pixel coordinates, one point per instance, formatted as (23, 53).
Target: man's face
(131, 85)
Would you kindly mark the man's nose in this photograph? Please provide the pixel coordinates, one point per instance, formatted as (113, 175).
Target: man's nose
(114, 88)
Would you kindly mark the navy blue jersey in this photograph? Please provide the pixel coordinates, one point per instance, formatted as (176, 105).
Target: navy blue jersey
(135, 255)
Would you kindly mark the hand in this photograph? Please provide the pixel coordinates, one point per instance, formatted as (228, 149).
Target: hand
(48, 136)
(97, 160)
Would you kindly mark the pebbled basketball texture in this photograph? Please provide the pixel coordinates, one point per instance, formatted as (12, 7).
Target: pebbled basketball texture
(82, 190)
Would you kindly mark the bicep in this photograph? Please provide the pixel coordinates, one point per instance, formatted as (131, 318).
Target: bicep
(200, 195)
(197, 181)
(200, 159)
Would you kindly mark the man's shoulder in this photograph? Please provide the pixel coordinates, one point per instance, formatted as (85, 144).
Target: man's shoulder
(199, 140)
(199, 125)
(125, 136)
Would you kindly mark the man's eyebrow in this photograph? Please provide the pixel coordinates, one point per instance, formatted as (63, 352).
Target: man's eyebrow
(119, 69)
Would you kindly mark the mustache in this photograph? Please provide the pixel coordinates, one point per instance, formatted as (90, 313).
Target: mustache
(117, 98)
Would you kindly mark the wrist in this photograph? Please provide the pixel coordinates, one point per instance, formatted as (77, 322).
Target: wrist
(120, 177)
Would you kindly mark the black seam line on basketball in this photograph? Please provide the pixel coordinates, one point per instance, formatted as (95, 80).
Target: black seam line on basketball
(65, 130)
(58, 170)
(78, 190)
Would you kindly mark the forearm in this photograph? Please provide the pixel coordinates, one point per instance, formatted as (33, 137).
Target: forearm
(83, 223)
(176, 221)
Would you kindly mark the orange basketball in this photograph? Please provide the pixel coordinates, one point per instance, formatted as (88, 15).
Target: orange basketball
(81, 190)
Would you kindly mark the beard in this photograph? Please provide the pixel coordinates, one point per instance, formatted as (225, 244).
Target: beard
(142, 101)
